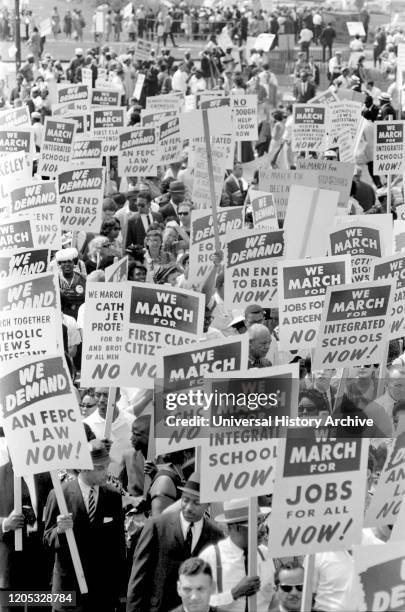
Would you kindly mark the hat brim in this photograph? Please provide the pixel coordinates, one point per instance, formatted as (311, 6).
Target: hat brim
(189, 491)
(221, 518)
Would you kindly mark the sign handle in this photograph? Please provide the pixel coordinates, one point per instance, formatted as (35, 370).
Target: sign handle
(388, 194)
(381, 371)
(74, 553)
(151, 454)
(18, 534)
(306, 602)
(108, 173)
(252, 548)
(207, 138)
(307, 228)
(112, 394)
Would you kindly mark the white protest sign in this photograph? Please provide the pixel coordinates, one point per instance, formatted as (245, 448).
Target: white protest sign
(264, 41)
(164, 102)
(250, 260)
(45, 27)
(309, 213)
(56, 150)
(310, 127)
(321, 488)
(201, 194)
(393, 267)
(143, 49)
(202, 244)
(398, 238)
(87, 151)
(14, 170)
(244, 116)
(170, 145)
(30, 292)
(379, 577)
(333, 175)
(127, 10)
(117, 272)
(401, 56)
(17, 233)
(324, 97)
(155, 118)
(137, 155)
(343, 114)
(354, 325)
(301, 293)
(79, 94)
(346, 147)
(80, 194)
(355, 27)
(219, 121)
(37, 333)
(107, 123)
(263, 210)
(388, 497)
(389, 147)
(41, 417)
(87, 77)
(38, 201)
(15, 117)
(400, 210)
(224, 40)
(181, 372)
(140, 79)
(26, 262)
(105, 97)
(224, 142)
(278, 183)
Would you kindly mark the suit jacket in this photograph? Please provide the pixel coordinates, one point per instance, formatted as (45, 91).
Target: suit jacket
(101, 546)
(309, 94)
(158, 555)
(135, 230)
(168, 210)
(210, 609)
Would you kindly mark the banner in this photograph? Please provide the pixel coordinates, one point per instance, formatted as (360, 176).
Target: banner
(202, 243)
(263, 210)
(354, 325)
(78, 94)
(106, 125)
(393, 267)
(379, 577)
(310, 127)
(301, 295)
(321, 490)
(250, 259)
(105, 97)
(35, 291)
(333, 175)
(137, 155)
(39, 203)
(87, 151)
(15, 118)
(389, 148)
(41, 417)
(56, 150)
(389, 494)
(81, 192)
(170, 145)
(26, 262)
(17, 233)
(117, 272)
(181, 373)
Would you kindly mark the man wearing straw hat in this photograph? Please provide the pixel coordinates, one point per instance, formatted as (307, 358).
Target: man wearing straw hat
(229, 563)
(165, 542)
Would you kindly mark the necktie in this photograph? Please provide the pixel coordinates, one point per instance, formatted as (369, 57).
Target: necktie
(303, 89)
(189, 539)
(92, 505)
(240, 186)
(245, 560)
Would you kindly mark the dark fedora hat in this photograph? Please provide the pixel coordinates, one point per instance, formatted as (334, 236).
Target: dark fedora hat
(192, 486)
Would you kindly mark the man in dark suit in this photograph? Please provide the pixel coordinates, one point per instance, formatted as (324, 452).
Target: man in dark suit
(96, 516)
(304, 90)
(177, 191)
(165, 542)
(195, 586)
(139, 222)
(234, 186)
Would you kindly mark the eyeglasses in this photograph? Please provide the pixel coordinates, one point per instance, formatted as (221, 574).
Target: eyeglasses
(287, 588)
(183, 214)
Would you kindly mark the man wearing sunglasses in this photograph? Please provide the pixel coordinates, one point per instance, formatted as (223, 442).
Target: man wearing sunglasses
(289, 583)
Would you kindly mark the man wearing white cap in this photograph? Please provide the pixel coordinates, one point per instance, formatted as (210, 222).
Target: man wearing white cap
(72, 284)
(75, 63)
(229, 562)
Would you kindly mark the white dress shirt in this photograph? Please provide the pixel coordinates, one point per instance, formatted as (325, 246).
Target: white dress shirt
(120, 436)
(85, 490)
(195, 530)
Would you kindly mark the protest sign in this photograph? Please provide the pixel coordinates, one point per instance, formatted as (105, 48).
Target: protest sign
(83, 122)
(105, 97)
(278, 183)
(78, 94)
(60, 109)
(250, 260)
(343, 114)
(244, 115)
(224, 142)
(154, 118)
(17, 233)
(117, 272)
(264, 41)
(301, 294)
(224, 40)
(310, 127)
(80, 193)
(393, 267)
(181, 370)
(155, 317)
(12, 165)
(219, 121)
(170, 145)
(106, 125)
(45, 27)
(38, 201)
(389, 494)
(263, 210)
(35, 291)
(87, 77)
(143, 49)
(333, 175)
(164, 102)
(398, 238)
(137, 154)
(379, 577)
(56, 150)
(26, 262)
(364, 238)
(400, 210)
(202, 244)
(140, 79)
(102, 78)
(345, 145)
(87, 151)
(324, 97)
(15, 117)
(12, 141)
(309, 213)
(389, 149)
(321, 486)
(41, 417)
(38, 333)
(201, 192)
(212, 101)
(355, 27)
(354, 325)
